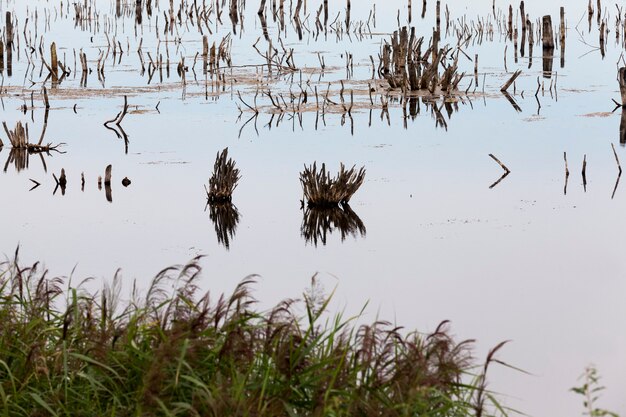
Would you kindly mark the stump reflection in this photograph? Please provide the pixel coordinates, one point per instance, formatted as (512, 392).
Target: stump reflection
(319, 222)
(225, 218)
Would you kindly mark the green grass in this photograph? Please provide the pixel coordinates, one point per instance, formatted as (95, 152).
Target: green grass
(175, 352)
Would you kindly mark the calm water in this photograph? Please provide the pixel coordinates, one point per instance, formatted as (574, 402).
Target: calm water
(520, 261)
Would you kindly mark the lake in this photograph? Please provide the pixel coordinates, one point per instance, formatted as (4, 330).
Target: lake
(529, 259)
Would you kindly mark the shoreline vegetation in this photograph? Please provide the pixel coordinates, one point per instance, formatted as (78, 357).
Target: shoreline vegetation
(173, 351)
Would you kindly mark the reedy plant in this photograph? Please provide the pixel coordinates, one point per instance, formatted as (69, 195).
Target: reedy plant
(174, 352)
(224, 179)
(322, 189)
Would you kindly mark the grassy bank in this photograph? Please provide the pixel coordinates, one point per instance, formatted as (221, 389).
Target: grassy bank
(173, 351)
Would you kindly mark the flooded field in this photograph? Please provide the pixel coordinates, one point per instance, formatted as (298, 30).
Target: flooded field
(507, 247)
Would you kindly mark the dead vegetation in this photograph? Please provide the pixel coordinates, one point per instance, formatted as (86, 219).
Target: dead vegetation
(321, 189)
(19, 139)
(405, 66)
(224, 179)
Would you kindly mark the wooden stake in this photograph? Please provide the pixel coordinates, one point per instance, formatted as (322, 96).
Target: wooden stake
(546, 33)
(511, 80)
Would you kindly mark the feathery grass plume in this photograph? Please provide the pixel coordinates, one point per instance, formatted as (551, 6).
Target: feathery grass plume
(224, 180)
(321, 189)
(318, 222)
(175, 351)
(225, 218)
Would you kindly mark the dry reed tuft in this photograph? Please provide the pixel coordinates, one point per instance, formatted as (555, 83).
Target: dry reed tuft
(224, 180)
(321, 189)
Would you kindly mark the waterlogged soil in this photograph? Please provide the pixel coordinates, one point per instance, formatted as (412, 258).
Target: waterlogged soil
(435, 232)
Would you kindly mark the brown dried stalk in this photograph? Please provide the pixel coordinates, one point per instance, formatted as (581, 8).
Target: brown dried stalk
(224, 179)
(321, 189)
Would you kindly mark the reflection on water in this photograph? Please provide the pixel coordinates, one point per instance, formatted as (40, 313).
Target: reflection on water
(319, 222)
(20, 158)
(622, 128)
(225, 218)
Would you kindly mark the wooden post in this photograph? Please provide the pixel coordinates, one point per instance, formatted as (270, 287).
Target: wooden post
(9, 31)
(622, 84)
(562, 37)
(410, 11)
(531, 41)
(261, 7)
(1, 56)
(138, 14)
(9, 43)
(602, 32)
(523, 15)
(562, 26)
(510, 26)
(54, 63)
(438, 11)
(476, 69)
(546, 33)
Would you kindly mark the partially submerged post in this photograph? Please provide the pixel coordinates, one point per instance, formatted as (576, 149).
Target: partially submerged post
(9, 43)
(562, 37)
(547, 36)
(54, 63)
(107, 183)
(107, 174)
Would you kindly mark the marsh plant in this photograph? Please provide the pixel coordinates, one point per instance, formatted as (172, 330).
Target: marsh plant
(590, 390)
(176, 352)
(224, 179)
(322, 189)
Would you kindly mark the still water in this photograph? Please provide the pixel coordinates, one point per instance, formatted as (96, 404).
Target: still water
(431, 239)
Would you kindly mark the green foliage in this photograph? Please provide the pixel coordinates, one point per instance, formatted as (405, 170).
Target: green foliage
(67, 352)
(590, 391)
